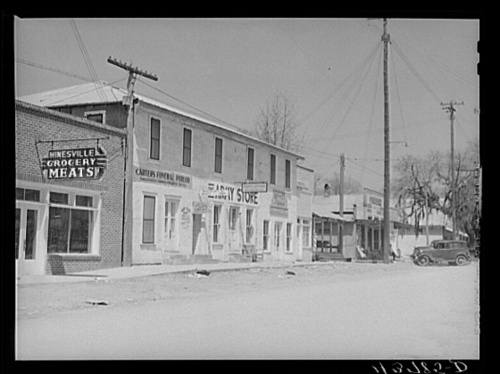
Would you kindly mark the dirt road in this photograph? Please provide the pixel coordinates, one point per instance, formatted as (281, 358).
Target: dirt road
(341, 310)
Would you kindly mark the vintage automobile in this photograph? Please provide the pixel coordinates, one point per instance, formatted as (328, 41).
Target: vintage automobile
(455, 251)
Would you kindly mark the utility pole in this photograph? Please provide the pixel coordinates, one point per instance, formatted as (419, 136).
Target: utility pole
(129, 160)
(449, 107)
(387, 169)
(341, 204)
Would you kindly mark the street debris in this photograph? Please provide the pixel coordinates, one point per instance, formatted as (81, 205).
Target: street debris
(199, 274)
(288, 272)
(97, 302)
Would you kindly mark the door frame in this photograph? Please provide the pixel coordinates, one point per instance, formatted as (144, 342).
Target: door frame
(35, 266)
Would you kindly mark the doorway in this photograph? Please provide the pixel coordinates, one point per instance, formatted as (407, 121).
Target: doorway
(28, 251)
(170, 228)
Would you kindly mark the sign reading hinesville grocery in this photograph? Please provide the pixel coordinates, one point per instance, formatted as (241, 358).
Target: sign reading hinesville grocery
(80, 163)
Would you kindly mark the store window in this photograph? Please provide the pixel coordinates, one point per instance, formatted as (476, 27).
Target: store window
(70, 223)
(265, 236)
(27, 194)
(216, 223)
(148, 220)
(249, 226)
(154, 149)
(288, 237)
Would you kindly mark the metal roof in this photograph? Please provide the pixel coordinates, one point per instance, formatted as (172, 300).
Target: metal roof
(103, 93)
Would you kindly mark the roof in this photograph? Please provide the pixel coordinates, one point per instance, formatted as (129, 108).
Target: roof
(103, 93)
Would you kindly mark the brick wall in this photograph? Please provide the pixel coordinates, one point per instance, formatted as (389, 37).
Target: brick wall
(35, 124)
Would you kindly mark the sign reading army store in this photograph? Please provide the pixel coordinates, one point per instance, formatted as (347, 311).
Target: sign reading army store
(80, 163)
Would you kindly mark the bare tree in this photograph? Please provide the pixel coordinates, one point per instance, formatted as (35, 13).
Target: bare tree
(423, 184)
(276, 123)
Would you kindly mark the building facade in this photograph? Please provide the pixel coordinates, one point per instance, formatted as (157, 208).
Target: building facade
(69, 192)
(362, 224)
(200, 191)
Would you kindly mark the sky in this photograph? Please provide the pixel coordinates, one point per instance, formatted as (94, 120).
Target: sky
(331, 68)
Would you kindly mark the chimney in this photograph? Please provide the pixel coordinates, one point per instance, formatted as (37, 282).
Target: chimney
(326, 191)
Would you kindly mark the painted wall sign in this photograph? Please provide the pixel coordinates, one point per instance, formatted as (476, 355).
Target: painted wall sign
(233, 194)
(200, 207)
(279, 204)
(163, 177)
(81, 163)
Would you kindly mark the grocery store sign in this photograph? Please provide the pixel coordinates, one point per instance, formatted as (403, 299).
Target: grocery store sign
(81, 163)
(231, 193)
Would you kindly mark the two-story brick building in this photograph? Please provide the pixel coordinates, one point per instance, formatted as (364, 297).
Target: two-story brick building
(69, 192)
(190, 180)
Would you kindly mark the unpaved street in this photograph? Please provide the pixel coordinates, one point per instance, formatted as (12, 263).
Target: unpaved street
(340, 310)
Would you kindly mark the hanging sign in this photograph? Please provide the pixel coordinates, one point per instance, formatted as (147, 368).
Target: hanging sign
(254, 187)
(80, 163)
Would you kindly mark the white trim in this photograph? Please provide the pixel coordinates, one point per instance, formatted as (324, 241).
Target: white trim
(94, 112)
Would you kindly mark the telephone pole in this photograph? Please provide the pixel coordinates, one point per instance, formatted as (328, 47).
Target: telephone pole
(341, 204)
(449, 107)
(129, 158)
(387, 169)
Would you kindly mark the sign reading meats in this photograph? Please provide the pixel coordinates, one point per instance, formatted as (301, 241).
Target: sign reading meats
(84, 163)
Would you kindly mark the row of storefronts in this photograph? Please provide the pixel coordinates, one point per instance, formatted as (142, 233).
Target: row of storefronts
(199, 191)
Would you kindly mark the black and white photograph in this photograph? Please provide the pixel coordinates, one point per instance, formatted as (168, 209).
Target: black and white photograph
(230, 188)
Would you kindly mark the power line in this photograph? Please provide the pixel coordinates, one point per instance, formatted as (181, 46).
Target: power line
(40, 66)
(87, 59)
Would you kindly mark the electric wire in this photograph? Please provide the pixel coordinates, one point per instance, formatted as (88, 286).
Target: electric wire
(87, 59)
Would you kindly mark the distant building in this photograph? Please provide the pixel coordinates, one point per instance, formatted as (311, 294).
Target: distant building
(190, 202)
(362, 223)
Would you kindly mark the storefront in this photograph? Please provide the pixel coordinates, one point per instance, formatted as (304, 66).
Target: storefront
(69, 189)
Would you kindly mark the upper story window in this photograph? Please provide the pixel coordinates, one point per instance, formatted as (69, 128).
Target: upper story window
(97, 116)
(154, 149)
(186, 147)
(218, 155)
(288, 170)
(250, 163)
(273, 170)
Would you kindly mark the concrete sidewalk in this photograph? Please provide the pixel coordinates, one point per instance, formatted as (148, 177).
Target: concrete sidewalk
(147, 270)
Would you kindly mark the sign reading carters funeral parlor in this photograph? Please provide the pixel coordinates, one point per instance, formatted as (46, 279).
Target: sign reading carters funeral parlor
(80, 163)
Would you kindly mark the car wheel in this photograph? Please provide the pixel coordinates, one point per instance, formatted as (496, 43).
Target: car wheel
(460, 260)
(423, 261)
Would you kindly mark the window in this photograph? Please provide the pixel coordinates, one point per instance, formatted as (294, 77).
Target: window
(249, 226)
(288, 237)
(250, 162)
(265, 236)
(273, 169)
(170, 216)
(27, 194)
(306, 233)
(59, 198)
(83, 201)
(287, 173)
(154, 152)
(70, 229)
(217, 213)
(277, 235)
(186, 148)
(148, 220)
(97, 116)
(233, 217)
(218, 155)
